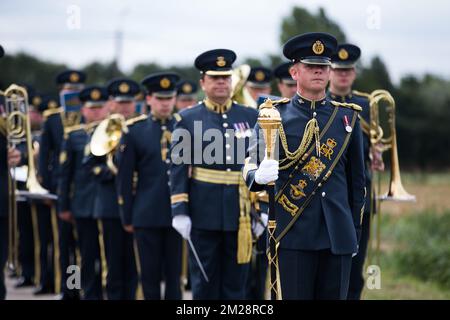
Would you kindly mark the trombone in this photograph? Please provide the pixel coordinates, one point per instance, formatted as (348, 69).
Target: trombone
(379, 143)
(18, 131)
(396, 191)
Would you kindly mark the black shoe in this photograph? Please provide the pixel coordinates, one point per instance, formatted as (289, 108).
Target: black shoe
(44, 290)
(24, 282)
(69, 296)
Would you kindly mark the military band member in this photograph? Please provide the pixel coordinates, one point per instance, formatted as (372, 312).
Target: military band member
(258, 82)
(286, 85)
(51, 140)
(319, 178)
(205, 185)
(342, 76)
(76, 189)
(122, 276)
(145, 211)
(186, 94)
(46, 236)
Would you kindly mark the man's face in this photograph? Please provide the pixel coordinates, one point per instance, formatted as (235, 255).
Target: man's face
(92, 114)
(342, 79)
(216, 86)
(161, 107)
(287, 90)
(256, 92)
(311, 77)
(184, 103)
(125, 108)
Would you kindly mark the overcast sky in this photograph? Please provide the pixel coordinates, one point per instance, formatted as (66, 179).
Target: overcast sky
(410, 36)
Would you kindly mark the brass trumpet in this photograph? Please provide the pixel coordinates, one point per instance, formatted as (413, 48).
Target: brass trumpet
(396, 191)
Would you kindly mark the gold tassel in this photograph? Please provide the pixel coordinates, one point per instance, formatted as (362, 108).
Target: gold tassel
(244, 240)
(245, 243)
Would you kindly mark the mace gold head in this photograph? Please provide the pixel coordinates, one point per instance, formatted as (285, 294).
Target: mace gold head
(269, 120)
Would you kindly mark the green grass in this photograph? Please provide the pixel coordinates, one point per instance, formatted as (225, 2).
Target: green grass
(415, 257)
(398, 287)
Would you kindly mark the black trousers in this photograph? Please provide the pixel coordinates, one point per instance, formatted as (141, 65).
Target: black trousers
(3, 254)
(122, 276)
(46, 245)
(217, 251)
(160, 256)
(91, 267)
(26, 240)
(256, 280)
(67, 254)
(356, 276)
(313, 275)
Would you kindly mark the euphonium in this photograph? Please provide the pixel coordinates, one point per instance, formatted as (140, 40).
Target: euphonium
(396, 191)
(106, 138)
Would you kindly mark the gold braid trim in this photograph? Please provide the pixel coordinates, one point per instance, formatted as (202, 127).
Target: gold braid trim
(245, 243)
(181, 197)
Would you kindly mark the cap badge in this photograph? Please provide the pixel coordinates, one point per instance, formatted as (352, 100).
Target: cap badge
(95, 94)
(260, 76)
(74, 77)
(221, 61)
(124, 87)
(164, 83)
(187, 88)
(318, 47)
(343, 54)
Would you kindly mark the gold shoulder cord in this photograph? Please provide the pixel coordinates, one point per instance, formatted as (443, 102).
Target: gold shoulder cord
(311, 130)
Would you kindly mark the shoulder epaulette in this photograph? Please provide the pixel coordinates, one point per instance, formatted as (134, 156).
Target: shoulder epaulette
(177, 117)
(361, 94)
(281, 101)
(132, 121)
(353, 106)
(49, 112)
(74, 128)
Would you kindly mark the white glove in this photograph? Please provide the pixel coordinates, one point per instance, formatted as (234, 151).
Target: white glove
(267, 171)
(182, 223)
(259, 226)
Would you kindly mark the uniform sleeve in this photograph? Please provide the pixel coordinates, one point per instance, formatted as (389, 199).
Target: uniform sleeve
(356, 177)
(126, 160)
(66, 169)
(181, 158)
(255, 154)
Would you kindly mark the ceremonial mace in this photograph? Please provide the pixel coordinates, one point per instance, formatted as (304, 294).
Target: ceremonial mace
(269, 120)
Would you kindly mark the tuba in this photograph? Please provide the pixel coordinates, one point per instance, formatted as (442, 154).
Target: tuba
(239, 93)
(106, 138)
(378, 140)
